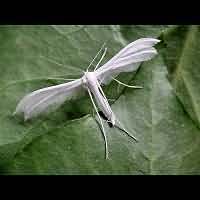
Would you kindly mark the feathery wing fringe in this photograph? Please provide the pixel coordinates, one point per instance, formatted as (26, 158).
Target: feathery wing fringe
(128, 59)
(41, 100)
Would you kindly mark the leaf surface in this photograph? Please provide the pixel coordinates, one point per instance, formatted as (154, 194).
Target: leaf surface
(69, 140)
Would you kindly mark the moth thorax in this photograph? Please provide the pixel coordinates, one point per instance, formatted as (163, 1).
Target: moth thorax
(90, 79)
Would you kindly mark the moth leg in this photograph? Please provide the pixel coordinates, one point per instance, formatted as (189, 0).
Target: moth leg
(103, 130)
(111, 100)
(125, 131)
(122, 129)
(44, 78)
(130, 86)
(64, 79)
(57, 63)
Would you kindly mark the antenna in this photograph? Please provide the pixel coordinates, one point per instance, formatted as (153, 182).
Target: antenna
(96, 56)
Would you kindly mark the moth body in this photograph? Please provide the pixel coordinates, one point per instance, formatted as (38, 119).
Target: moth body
(91, 82)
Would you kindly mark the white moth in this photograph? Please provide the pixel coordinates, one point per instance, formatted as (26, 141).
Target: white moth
(126, 60)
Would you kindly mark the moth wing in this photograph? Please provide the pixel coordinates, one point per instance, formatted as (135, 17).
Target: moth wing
(128, 59)
(52, 97)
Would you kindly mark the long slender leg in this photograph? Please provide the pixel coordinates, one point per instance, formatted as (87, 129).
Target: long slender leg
(103, 130)
(123, 129)
(104, 53)
(130, 86)
(57, 63)
(64, 79)
(111, 100)
(96, 56)
(52, 61)
(42, 78)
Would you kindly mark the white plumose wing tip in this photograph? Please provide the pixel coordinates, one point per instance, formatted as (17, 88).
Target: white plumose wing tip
(128, 59)
(39, 101)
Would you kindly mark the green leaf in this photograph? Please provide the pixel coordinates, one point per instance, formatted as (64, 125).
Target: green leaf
(69, 140)
(182, 60)
(168, 140)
